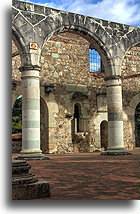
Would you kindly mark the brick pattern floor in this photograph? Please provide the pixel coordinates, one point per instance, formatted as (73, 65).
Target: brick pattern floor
(90, 176)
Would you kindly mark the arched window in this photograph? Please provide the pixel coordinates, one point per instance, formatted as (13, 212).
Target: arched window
(77, 111)
(78, 122)
(95, 61)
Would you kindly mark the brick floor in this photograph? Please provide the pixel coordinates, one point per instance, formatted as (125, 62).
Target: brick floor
(90, 176)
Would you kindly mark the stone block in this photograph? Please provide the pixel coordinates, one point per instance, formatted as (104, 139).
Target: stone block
(102, 103)
(76, 87)
(55, 55)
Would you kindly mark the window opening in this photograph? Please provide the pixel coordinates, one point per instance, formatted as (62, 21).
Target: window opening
(17, 116)
(95, 61)
(77, 117)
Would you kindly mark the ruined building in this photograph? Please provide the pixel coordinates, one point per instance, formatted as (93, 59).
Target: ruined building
(79, 81)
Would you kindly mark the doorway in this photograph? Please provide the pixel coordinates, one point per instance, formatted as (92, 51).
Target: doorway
(104, 134)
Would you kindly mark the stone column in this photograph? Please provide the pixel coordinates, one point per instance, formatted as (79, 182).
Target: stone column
(115, 119)
(30, 112)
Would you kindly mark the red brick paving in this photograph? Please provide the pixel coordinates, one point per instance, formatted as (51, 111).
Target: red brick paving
(90, 176)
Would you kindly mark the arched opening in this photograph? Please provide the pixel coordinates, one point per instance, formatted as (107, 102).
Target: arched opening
(130, 62)
(130, 73)
(104, 134)
(19, 42)
(137, 126)
(17, 125)
(77, 112)
(79, 134)
(60, 35)
(65, 61)
(16, 90)
(77, 122)
(44, 135)
(95, 61)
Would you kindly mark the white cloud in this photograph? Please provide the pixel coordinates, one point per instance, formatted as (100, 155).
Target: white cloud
(122, 11)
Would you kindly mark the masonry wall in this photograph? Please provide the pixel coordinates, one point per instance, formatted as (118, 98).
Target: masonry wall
(65, 60)
(16, 63)
(131, 85)
(65, 81)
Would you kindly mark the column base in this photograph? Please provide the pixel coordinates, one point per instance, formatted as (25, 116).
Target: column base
(40, 189)
(32, 156)
(25, 186)
(115, 152)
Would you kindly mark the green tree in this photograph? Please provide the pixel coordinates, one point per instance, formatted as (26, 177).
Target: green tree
(17, 116)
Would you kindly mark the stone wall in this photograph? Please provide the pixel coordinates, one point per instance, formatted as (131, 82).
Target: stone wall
(130, 73)
(65, 81)
(65, 60)
(16, 63)
(131, 84)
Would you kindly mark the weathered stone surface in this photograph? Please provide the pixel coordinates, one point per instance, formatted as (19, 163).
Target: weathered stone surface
(115, 116)
(26, 186)
(49, 21)
(63, 41)
(116, 152)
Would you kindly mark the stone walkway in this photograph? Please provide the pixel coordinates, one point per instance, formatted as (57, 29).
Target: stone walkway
(90, 176)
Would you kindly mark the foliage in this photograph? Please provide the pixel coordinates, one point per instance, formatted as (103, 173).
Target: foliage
(17, 116)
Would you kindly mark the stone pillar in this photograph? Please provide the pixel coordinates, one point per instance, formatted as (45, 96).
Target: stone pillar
(115, 119)
(30, 112)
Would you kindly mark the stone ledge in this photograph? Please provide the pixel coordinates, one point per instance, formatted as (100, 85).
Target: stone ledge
(116, 152)
(30, 67)
(113, 77)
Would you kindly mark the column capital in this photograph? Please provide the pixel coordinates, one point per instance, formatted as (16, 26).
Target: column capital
(30, 67)
(114, 80)
(113, 77)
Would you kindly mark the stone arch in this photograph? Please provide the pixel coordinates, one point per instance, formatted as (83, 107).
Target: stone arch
(77, 123)
(17, 56)
(39, 23)
(97, 41)
(133, 103)
(78, 129)
(130, 114)
(128, 41)
(16, 75)
(104, 134)
(130, 63)
(77, 117)
(20, 43)
(131, 39)
(22, 37)
(44, 120)
(97, 131)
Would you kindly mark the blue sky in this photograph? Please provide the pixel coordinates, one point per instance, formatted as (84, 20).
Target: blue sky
(122, 11)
